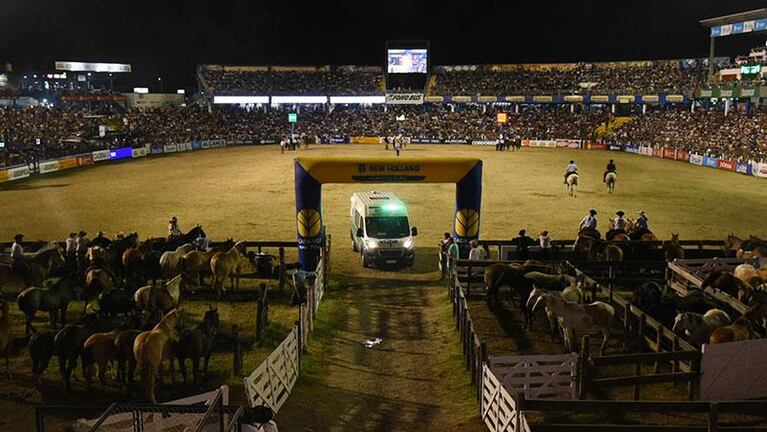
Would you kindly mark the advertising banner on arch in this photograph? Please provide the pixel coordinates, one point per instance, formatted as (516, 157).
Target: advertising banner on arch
(711, 162)
(728, 165)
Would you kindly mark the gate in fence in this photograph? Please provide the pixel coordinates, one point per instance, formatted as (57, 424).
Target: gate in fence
(498, 408)
(538, 376)
(734, 371)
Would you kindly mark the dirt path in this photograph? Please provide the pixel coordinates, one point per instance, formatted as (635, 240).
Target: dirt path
(413, 380)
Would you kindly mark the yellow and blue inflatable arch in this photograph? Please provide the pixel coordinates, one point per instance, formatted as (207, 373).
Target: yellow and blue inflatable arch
(312, 173)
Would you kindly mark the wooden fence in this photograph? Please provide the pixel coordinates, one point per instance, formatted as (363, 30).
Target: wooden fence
(474, 350)
(538, 376)
(683, 275)
(497, 407)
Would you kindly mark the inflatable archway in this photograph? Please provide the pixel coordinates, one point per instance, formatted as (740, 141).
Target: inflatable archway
(312, 173)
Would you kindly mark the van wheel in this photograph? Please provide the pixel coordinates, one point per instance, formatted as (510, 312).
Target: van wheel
(365, 263)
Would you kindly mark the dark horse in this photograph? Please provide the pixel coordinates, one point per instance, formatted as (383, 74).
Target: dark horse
(196, 343)
(115, 252)
(53, 300)
(649, 298)
(69, 341)
(164, 245)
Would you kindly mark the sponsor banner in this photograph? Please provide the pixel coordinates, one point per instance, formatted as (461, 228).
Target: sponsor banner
(456, 141)
(657, 152)
(101, 155)
(760, 170)
(267, 141)
(425, 140)
(615, 147)
(181, 147)
(669, 153)
(484, 142)
(139, 152)
(86, 159)
(337, 139)
(365, 140)
(727, 164)
(155, 150)
(711, 162)
(568, 143)
(214, 143)
(205, 144)
(645, 151)
(743, 168)
(121, 153)
(170, 148)
(3, 176)
(18, 173)
(48, 166)
(93, 98)
(591, 145)
(460, 99)
(539, 143)
(682, 155)
(197, 145)
(434, 99)
(631, 148)
(404, 98)
(67, 163)
(696, 159)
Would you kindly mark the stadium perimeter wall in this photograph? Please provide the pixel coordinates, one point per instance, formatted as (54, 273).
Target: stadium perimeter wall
(751, 168)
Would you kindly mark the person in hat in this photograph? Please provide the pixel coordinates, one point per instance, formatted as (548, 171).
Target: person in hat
(610, 169)
(101, 240)
(70, 251)
(444, 245)
(617, 225)
(544, 240)
(82, 250)
(589, 222)
(477, 253)
(174, 232)
(641, 226)
(572, 168)
(523, 243)
(19, 263)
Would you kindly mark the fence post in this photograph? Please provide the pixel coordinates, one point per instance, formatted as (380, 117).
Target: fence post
(659, 341)
(637, 373)
(138, 421)
(694, 367)
(626, 324)
(520, 407)
(713, 417)
(237, 357)
(642, 323)
(584, 366)
(298, 342)
(282, 269)
(482, 360)
(468, 280)
(262, 312)
(675, 348)
(40, 419)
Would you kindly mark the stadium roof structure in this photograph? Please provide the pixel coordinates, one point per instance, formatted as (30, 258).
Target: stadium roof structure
(733, 24)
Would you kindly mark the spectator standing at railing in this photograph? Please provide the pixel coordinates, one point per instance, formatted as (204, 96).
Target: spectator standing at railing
(523, 243)
(544, 240)
(18, 260)
(71, 252)
(82, 249)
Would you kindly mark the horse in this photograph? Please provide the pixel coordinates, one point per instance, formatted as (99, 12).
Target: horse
(572, 294)
(750, 296)
(42, 347)
(41, 265)
(195, 263)
(169, 260)
(572, 185)
(511, 275)
(741, 329)
(672, 249)
(574, 316)
(636, 234)
(697, 327)
(54, 300)
(69, 341)
(100, 349)
(229, 264)
(124, 348)
(6, 335)
(552, 282)
(163, 298)
(116, 250)
(196, 343)
(610, 179)
(149, 350)
(96, 281)
(138, 261)
(750, 274)
(116, 301)
(753, 247)
(650, 298)
(163, 244)
(723, 281)
(608, 252)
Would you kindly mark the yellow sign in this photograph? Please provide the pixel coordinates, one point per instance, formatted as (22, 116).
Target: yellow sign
(467, 222)
(309, 223)
(502, 117)
(388, 169)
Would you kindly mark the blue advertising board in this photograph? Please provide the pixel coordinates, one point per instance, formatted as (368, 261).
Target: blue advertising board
(711, 162)
(121, 153)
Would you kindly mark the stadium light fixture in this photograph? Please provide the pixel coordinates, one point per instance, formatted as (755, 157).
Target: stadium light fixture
(357, 99)
(299, 99)
(141, 90)
(241, 100)
(181, 91)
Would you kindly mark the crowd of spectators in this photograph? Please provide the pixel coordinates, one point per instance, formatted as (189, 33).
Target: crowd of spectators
(42, 133)
(293, 83)
(580, 78)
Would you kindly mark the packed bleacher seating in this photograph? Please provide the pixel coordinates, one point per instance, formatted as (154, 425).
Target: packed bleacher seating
(65, 132)
(323, 81)
(575, 78)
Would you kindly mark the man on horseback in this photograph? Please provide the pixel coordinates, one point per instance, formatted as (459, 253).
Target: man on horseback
(610, 169)
(82, 249)
(572, 168)
(589, 224)
(18, 262)
(174, 232)
(641, 226)
(617, 226)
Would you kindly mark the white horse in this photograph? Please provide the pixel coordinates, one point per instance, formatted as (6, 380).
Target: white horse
(572, 184)
(697, 327)
(169, 260)
(610, 179)
(572, 316)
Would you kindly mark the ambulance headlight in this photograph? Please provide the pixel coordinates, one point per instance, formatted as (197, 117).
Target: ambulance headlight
(408, 244)
(371, 244)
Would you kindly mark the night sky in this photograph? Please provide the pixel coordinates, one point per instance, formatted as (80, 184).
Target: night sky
(168, 38)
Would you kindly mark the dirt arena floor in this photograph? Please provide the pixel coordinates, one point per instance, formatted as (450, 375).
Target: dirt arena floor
(248, 193)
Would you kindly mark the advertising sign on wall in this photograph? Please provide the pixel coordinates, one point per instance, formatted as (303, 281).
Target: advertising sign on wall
(727, 164)
(711, 162)
(696, 159)
(48, 166)
(100, 155)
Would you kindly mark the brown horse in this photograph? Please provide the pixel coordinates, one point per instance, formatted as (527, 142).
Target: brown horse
(741, 329)
(672, 249)
(5, 334)
(229, 264)
(195, 263)
(723, 281)
(100, 349)
(126, 361)
(96, 281)
(163, 298)
(150, 349)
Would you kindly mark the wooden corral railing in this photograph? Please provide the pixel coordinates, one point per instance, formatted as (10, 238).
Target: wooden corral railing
(709, 413)
(474, 350)
(497, 407)
(682, 275)
(590, 370)
(538, 376)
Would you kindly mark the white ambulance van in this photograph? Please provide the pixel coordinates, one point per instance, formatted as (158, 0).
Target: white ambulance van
(380, 229)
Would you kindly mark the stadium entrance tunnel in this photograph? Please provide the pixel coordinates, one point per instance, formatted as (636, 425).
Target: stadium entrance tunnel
(312, 173)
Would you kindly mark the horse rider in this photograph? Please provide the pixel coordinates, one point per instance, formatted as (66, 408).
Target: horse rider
(101, 240)
(572, 168)
(641, 226)
(100, 262)
(174, 232)
(201, 243)
(610, 169)
(617, 225)
(19, 263)
(523, 243)
(71, 252)
(589, 222)
(82, 249)
(544, 240)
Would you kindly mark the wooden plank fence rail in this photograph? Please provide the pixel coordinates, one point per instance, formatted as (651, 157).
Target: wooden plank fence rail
(538, 376)
(683, 275)
(498, 409)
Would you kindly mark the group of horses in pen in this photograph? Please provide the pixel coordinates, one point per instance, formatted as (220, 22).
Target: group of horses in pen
(561, 290)
(139, 323)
